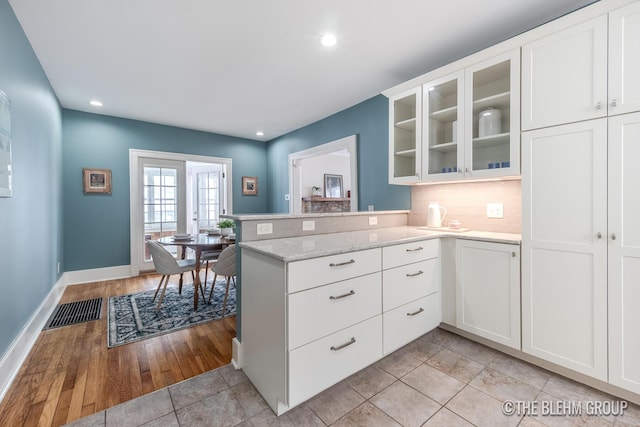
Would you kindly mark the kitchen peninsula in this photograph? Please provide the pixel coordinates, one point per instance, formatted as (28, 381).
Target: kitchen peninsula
(339, 300)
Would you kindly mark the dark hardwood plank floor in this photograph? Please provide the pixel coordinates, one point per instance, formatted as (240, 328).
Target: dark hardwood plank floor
(70, 373)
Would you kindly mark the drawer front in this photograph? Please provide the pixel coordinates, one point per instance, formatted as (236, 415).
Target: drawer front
(321, 311)
(410, 282)
(314, 272)
(410, 321)
(406, 253)
(323, 363)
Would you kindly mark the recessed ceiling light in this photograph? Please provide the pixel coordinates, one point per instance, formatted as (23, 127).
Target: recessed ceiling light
(328, 40)
(260, 133)
(95, 103)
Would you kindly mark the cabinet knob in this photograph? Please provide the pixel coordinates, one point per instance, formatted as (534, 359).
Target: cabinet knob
(613, 236)
(513, 254)
(599, 235)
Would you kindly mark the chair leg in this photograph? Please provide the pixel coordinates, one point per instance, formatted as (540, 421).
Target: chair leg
(206, 272)
(180, 285)
(164, 289)
(158, 288)
(226, 294)
(213, 286)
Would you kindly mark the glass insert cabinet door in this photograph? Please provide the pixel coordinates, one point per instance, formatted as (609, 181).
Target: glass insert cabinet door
(444, 112)
(491, 89)
(405, 135)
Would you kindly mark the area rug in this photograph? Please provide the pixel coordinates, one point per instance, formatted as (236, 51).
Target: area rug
(134, 317)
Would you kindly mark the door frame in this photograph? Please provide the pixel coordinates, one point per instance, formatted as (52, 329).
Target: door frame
(135, 201)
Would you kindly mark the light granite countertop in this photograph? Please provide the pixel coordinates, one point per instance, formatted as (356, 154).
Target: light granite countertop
(317, 245)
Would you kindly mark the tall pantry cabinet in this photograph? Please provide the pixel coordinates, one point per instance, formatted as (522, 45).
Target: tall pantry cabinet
(581, 243)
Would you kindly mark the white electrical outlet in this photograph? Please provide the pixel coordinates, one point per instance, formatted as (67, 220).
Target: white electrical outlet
(265, 228)
(370, 208)
(308, 225)
(373, 220)
(495, 210)
(286, 197)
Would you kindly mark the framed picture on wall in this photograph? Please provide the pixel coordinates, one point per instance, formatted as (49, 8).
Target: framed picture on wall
(332, 186)
(96, 181)
(249, 186)
(5, 146)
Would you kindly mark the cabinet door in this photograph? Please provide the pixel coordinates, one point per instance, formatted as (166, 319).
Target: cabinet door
(443, 128)
(564, 246)
(405, 137)
(624, 61)
(624, 252)
(564, 76)
(488, 290)
(492, 117)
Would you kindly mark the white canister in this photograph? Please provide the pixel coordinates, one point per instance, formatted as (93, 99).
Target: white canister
(489, 122)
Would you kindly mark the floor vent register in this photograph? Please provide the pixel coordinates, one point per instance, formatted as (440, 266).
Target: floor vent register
(75, 312)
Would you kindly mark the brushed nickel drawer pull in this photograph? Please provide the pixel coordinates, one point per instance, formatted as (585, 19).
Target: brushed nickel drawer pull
(419, 248)
(351, 261)
(347, 344)
(415, 274)
(416, 312)
(348, 294)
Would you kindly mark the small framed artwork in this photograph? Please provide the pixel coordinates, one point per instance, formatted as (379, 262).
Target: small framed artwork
(96, 181)
(332, 186)
(249, 186)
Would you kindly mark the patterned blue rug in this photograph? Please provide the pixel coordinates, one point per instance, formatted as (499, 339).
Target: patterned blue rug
(134, 317)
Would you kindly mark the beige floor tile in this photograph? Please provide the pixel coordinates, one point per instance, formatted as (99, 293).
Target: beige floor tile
(366, 415)
(297, 417)
(221, 410)
(251, 401)
(433, 383)
(474, 351)
(480, 409)
(446, 418)
(141, 410)
(630, 417)
(405, 404)
(370, 381)
(443, 338)
(520, 370)
(169, 420)
(197, 388)
(503, 387)
(231, 375)
(455, 365)
(422, 348)
(566, 413)
(399, 363)
(332, 404)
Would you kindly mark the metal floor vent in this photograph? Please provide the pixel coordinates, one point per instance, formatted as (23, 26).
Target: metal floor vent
(75, 312)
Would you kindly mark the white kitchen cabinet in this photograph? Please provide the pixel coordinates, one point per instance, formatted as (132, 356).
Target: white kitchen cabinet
(411, 292)
(585, 72)
(454, 146)
(564, 246)
(488, 290)
(405, 136)
(624, 251)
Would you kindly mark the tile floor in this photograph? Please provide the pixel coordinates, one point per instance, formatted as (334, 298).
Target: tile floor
(441, 379)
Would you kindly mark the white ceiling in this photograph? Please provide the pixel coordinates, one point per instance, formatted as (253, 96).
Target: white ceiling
(237, 66)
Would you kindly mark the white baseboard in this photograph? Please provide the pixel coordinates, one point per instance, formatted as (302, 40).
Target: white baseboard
(16, 354)
(97, 274)
(19, 349)
(236, 355)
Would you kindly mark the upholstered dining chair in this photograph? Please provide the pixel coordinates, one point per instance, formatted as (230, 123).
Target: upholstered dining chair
(208, 257)
(167, 265)
(225, 266)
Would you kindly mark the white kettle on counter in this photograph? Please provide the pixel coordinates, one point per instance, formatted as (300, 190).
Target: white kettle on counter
(435, 215)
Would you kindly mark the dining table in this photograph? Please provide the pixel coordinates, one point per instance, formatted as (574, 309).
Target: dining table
(199, 243)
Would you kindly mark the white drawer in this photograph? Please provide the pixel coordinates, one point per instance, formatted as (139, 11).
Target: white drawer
(314, 272)
(410, 321)
(321, 311)
(410, 282)
(406, 253)
(323, 363)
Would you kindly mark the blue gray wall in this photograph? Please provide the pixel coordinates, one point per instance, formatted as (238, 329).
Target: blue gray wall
(96, 227)
(30, 221)
(369, 120)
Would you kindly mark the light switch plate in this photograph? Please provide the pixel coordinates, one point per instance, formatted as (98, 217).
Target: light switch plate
(373, 220)
(495, 210)
(265, 228)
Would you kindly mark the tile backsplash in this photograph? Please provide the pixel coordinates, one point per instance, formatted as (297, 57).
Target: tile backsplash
(467, 202)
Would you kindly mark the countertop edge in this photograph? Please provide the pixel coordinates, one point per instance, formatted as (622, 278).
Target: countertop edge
(266, 247)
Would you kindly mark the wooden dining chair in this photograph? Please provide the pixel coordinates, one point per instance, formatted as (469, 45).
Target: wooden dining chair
(225, 266)
(167, 265)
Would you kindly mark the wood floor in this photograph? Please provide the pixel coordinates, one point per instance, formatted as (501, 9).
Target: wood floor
(70, 372)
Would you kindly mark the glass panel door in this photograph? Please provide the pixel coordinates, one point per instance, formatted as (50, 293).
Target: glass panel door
(163, 204)
(208, 200)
